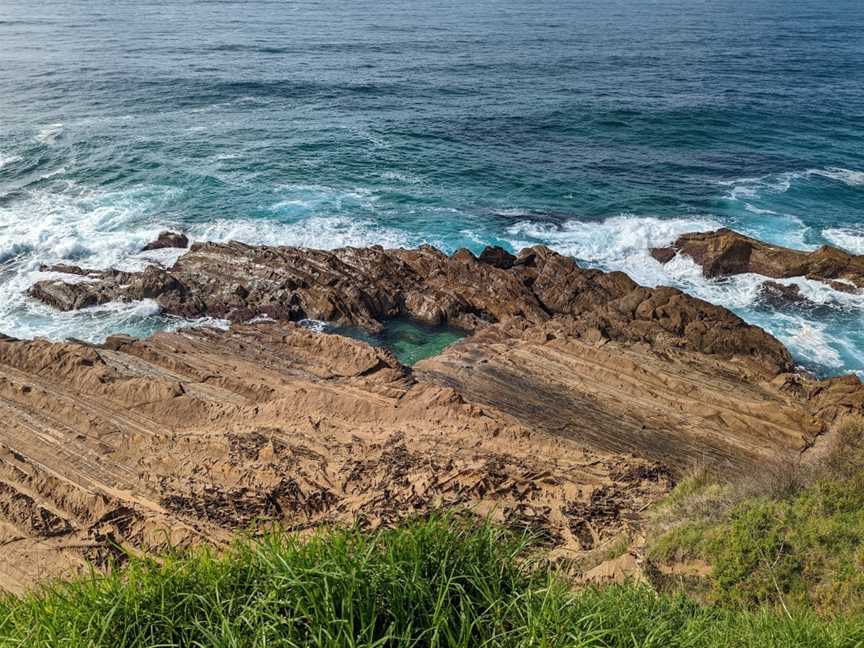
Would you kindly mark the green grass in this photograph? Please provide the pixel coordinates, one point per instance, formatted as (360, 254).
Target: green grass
(804, 551)
(798, 542)
(440, 582)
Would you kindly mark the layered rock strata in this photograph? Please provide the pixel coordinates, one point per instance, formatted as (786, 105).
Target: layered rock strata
(575, 400)
(192, 436)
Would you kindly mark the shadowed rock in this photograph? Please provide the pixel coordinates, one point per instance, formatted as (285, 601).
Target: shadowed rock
(167, 240)
(497, 256)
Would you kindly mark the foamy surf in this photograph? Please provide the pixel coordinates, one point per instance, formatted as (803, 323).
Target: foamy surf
(782, 182)
(812, 340)
(323, 232)
(48, 134)
(100, 229)
(618, 243)
(623, 243)
(8, 160)
(849, 239)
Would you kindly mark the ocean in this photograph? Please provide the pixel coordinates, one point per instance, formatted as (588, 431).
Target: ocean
(599, 129)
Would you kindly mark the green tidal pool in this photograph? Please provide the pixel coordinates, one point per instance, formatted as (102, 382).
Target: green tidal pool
(409, 340)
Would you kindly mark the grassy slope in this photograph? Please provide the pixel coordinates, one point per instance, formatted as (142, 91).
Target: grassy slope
(440, 582)
(796, 543)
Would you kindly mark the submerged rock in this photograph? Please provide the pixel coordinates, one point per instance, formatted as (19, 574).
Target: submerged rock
(167, 239)
(780, 295)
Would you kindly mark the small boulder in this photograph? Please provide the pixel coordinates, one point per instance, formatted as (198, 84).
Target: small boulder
(167, 240)
(497, 256)
(779, 295)
(663, 254)
(65, 269)
(845, 287)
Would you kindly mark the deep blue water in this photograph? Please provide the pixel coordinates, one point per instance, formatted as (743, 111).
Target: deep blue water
(597, 128)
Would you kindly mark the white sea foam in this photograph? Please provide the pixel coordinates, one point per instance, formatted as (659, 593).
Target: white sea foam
(314, 325)
(90, 228)
(811, 340)
(175, 323)
(623, 243)
(406, 178)
(620, 243)
(324, 232)
(851, 240)
(756, 210)
(298, 200)
(48, 134)
(22, 317)
(513, 212)
(53, 174)
(846, 176)
(100, 229)
(742, 188)
(6, 160)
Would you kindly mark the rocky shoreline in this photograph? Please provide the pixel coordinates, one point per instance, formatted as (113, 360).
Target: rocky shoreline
(725, 252)
(573, 404)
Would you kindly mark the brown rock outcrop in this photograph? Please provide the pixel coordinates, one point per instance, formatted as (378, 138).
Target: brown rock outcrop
(675, 406)
(726, 252)
(365, 286)
(190, 436)
(563, 411)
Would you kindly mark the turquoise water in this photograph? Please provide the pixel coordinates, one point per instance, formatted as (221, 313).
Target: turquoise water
(409, 340)
(599, 129)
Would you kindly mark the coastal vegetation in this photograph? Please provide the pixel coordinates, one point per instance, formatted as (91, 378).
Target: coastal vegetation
(792, 539)
(441, 581)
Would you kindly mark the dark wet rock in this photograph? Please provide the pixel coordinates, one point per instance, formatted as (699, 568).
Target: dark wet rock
(663, 254)
(367, 286)
(780, 295)
(167, 240)
(65, 269)
(843, 286)
(497, 256)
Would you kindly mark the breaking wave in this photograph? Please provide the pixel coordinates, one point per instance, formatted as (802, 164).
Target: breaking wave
(851, 240)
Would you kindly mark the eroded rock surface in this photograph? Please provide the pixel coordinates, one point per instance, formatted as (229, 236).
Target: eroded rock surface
(576, 397)
(365, 286)
(191, 436)
(725, 252)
